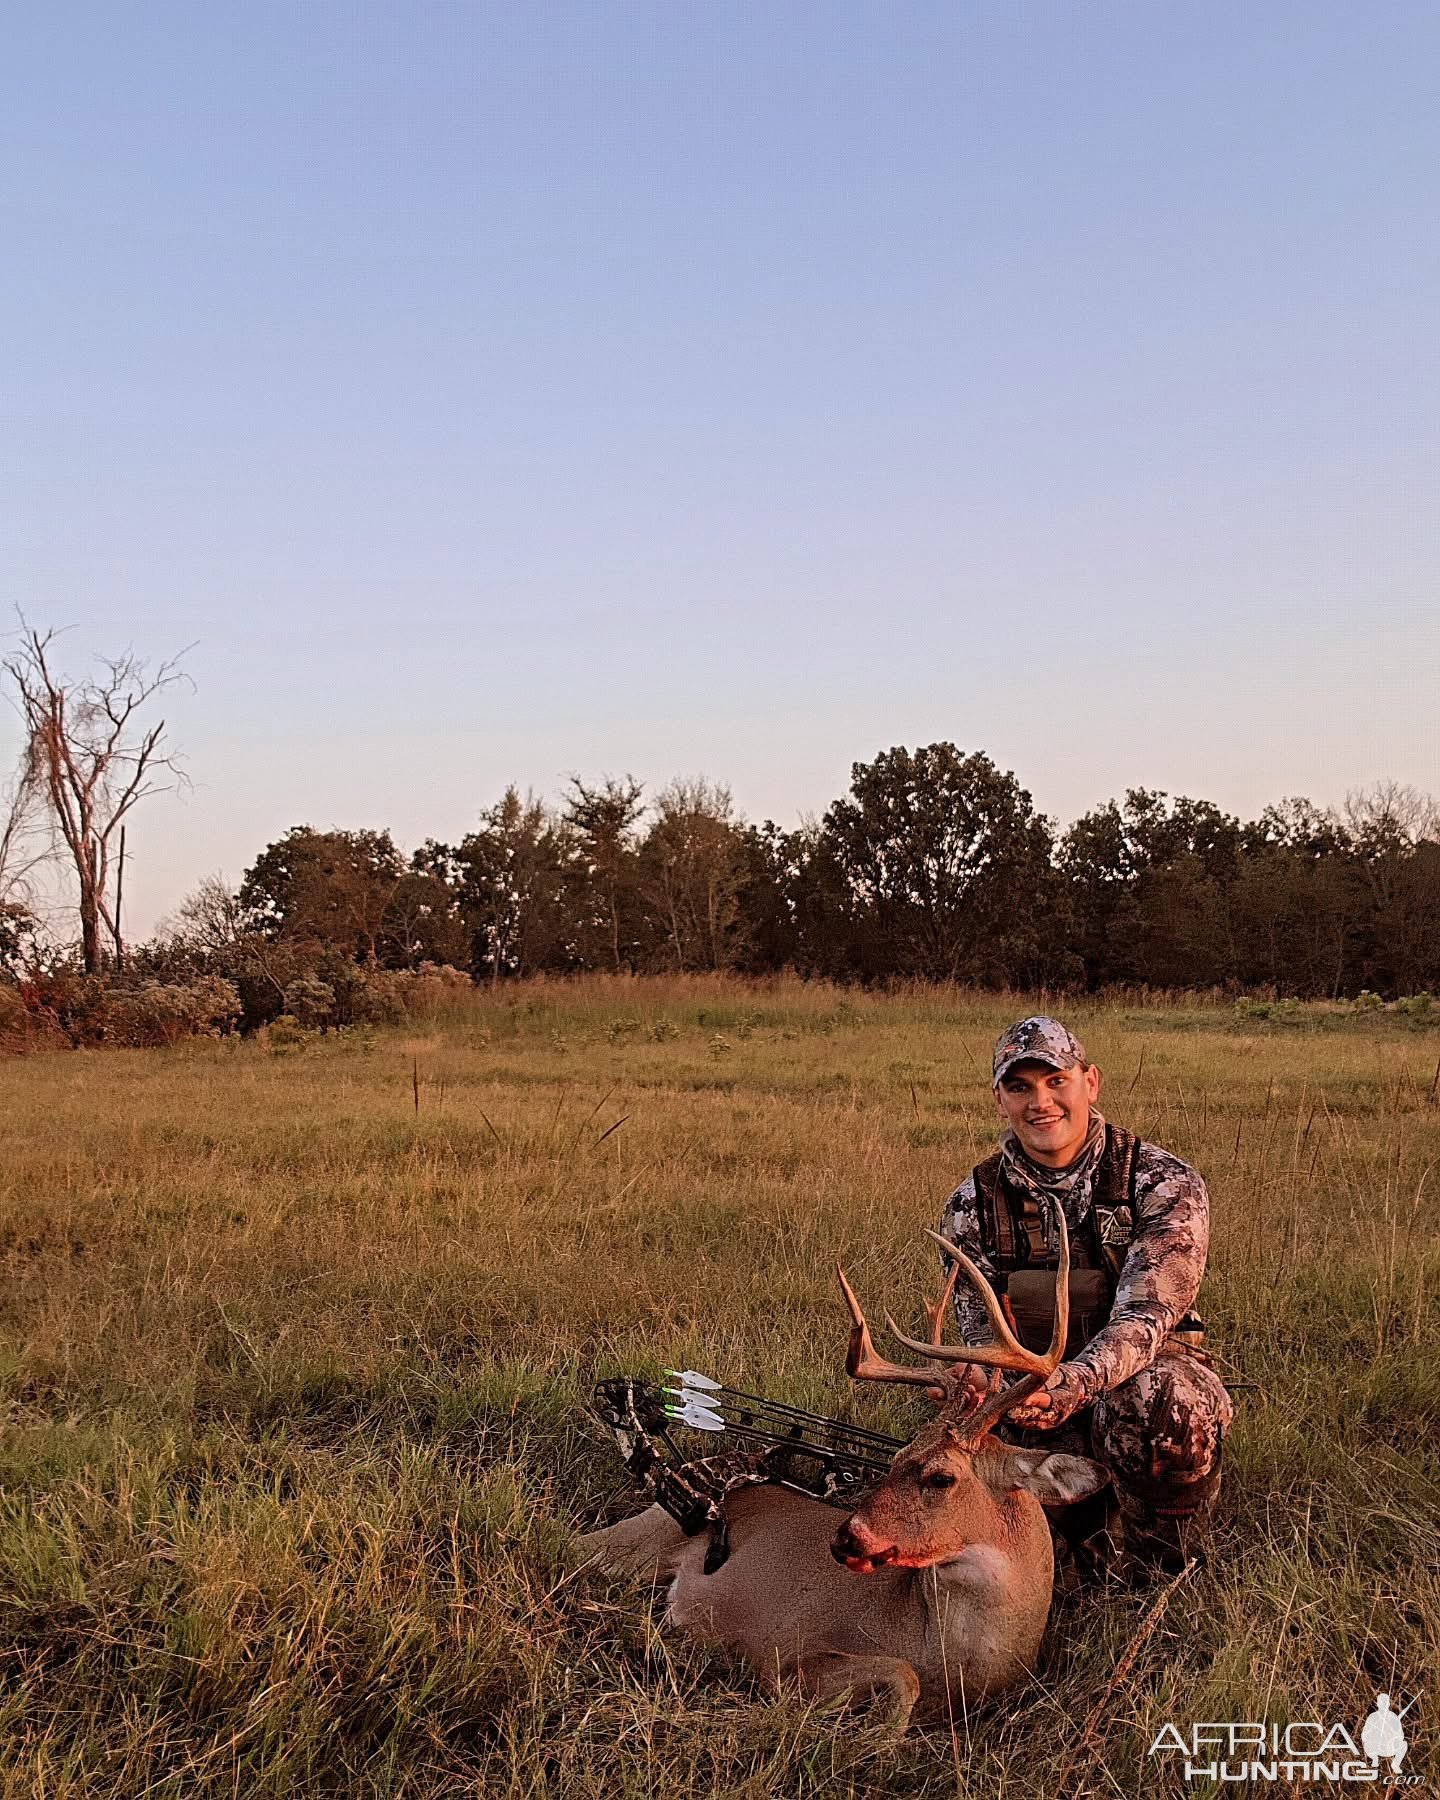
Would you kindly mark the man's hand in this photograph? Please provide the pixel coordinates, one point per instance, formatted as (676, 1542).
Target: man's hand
(966, 1386)
(1050, 1406)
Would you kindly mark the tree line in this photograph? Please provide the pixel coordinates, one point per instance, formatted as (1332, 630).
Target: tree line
(934, 866)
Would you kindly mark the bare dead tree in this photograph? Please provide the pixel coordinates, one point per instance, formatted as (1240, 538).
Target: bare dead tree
(1391, 815)
(89, 760)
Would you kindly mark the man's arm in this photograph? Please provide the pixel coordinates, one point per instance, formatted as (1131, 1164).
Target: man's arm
(1160, 1276)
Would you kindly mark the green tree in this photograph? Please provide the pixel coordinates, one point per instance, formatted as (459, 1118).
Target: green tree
(603, 821)
(424, 921)
(515, 881)
(778, 872)
(692, 872)
(1097, 862)
(1148, 887)
(330, 889)
(1297, 903)
(947, 869)
(1395, 832)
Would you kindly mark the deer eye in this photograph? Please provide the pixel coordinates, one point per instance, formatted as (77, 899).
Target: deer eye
(940, 1478)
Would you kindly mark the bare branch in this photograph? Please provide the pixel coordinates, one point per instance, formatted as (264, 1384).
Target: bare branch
(86, 762)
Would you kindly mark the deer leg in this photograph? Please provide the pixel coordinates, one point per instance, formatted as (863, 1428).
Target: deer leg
(890, 1680)
(644, 1544)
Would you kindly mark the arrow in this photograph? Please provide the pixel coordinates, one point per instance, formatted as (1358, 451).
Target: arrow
(696, 1415)
(753, 1409)
(692, 1378)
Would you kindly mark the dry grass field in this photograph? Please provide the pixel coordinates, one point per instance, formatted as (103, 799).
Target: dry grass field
(295, 1349)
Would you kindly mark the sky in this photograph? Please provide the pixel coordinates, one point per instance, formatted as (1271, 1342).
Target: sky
(487, 394)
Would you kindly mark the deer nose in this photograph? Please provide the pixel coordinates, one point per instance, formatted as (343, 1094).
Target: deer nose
(860, 1549)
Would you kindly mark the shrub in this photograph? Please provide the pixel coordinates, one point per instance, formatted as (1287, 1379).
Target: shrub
(65, 1006)
(165, 1012)
(23, 1028)
(1277, 1012)
(61, 1005)
(286, 1033)
(311, 1003)
(374, 999)
(418, 993)
(66, 1003)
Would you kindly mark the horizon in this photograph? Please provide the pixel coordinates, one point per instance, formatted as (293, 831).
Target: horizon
(493, 397)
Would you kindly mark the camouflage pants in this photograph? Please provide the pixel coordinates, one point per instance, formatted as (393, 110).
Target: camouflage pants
(1160, 1435)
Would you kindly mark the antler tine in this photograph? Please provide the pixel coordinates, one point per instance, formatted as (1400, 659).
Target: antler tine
(996, 1407)
(990, 1356)
(1007, 1352)
(861, 1362)
(935, 1311)
(1061, 1330)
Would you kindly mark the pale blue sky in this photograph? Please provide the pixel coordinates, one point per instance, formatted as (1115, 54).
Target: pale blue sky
(499, 391)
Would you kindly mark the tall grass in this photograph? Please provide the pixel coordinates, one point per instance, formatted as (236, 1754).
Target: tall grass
(295, 1349)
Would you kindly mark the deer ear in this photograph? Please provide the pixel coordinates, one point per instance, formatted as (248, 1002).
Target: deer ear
(1054, 1479)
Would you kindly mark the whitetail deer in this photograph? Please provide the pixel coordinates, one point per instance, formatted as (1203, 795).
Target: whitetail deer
(935, 1590)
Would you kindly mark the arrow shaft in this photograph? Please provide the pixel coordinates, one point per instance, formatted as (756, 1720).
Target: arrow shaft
(757, 1402)
(692, 1378)
(824, 1452)
(840, 1447)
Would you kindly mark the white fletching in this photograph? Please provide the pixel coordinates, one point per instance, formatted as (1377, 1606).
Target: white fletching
(692, 1378)
(698, 1416)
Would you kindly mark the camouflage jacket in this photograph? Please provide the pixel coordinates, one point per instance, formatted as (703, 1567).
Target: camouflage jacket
(1158, 1280)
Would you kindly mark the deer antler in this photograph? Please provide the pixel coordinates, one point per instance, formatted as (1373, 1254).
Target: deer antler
(935, 1310)
(861, 1362)
(1013, 1355)
(1007, 1352)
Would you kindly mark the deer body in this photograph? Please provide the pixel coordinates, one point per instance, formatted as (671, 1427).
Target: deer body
(936, 1590)
(797, 1597)
(977, 1619)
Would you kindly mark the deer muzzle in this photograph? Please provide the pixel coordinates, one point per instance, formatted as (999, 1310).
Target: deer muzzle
(860, 1550)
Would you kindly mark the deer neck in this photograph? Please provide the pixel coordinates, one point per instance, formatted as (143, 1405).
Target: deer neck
(986, 1608)
(1007, 1561)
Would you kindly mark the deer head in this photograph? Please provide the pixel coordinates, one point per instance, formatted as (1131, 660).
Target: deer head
(954, 1485)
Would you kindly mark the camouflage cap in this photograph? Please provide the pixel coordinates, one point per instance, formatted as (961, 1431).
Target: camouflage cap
(1037, 1040)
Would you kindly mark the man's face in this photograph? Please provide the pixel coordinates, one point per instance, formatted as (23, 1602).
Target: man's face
(1048, 1109)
